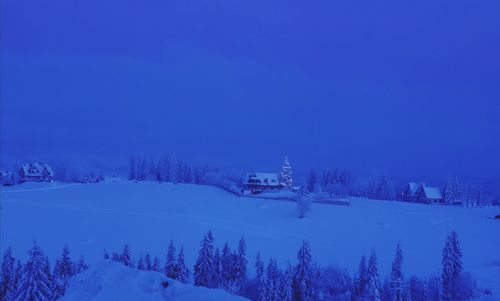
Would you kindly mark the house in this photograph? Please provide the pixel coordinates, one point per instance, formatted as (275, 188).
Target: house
(429, 194)
(410, 193)
(257, 182)
(422, 193)
(37, 172)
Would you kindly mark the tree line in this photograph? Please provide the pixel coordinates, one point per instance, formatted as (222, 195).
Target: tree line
(227, 269)
(34, 280)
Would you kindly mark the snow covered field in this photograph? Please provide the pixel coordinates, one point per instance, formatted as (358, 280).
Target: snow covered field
(94, 217)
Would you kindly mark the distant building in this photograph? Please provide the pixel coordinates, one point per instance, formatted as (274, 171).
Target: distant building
(410, 193)
(6, 178)
(257, 182)
(429, 194)
(422, 193)
(37, 172)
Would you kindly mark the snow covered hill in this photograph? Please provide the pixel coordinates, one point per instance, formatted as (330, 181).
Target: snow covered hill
(147, 215)
(110, 280)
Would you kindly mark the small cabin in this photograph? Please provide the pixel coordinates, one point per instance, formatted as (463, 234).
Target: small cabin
(410, 193)
(36, 172)
(257, 182)
(429, 195)
(422, 193)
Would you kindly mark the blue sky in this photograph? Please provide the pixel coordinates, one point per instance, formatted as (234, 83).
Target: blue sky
(410, 89)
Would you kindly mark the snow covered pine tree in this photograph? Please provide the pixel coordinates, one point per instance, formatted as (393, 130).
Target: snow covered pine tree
(204, 263)
(396, 277)
(35, 283)
(286, 175)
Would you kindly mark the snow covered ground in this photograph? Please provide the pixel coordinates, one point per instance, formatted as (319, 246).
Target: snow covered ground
(94, 217)
(110, 280)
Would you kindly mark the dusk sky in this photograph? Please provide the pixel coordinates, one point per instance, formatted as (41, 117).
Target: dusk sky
(411, 89)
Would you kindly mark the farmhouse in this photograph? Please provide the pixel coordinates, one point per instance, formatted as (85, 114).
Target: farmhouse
(38, 172)
(257, 182)
(422, 193)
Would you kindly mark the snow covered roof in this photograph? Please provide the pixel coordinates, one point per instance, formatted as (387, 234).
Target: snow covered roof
(263, 178)
(413, 187)
(36, 169)
(430, 192)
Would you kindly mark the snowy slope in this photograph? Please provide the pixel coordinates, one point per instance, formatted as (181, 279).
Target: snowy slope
(109, 280)
(93, 217)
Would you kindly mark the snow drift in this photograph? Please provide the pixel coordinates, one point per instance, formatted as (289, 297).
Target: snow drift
(110, 280)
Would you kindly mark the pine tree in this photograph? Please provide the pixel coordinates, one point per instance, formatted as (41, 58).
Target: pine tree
(216, 273)
(407, 293)
(140, 263)
(451, 192)
(152, 169)
(363, 276)
(373, 285)
(197, 175)
(47, 270)
(7, 273)
(125, 257)
(147, 263)
(452, 267)
(170, 265)
(166, 166)
(13, 287)
(396, 278)
(81, 265)
(286, 175)
(132, 174)
(433, 288)
(311, 181)
(386, 294)
(156, 265)
(227, 276)
(259, 266)
(264, 288)
(183, 271)
(159, 172)
(35, 284)
(204, 263)
(286, 292)
(303, 202)
(179, 172)
(64, 269)
(272, 275)
(188, 174)
(143, 169)
(241, 263)
(302, 283)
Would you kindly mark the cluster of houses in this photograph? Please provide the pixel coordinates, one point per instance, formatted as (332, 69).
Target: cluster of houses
(258, 182)
(422, 193)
